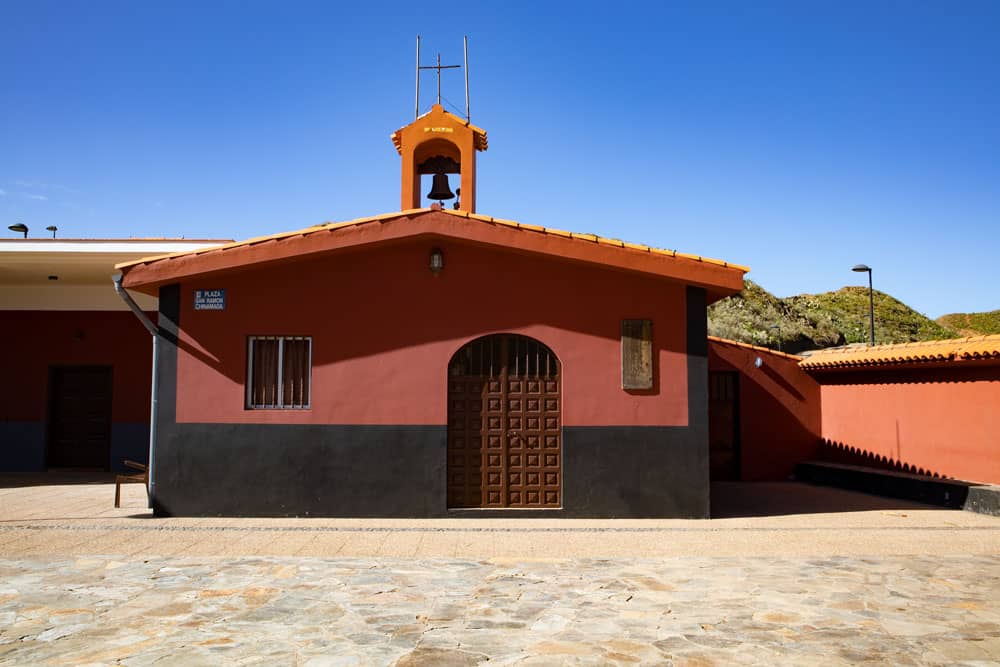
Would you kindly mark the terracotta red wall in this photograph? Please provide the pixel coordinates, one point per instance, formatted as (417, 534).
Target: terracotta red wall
(384, 330)
(941, 421)
(32, 341)
(779, 410)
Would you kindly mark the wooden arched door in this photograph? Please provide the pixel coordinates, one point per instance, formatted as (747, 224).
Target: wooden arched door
(504, 425)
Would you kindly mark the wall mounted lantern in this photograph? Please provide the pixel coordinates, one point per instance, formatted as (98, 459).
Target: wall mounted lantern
(437, 261)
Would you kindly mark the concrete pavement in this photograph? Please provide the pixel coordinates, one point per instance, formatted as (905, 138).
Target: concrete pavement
(786, 519)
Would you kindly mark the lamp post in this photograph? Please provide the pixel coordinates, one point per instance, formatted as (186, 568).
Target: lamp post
(777, 327)
(861, 268)
(20, 228)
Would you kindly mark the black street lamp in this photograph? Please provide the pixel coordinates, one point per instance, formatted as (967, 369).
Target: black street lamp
(20, 228)
(861, 268)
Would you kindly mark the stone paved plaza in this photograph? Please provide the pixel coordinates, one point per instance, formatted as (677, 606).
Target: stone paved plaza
(780, 580)
(281, 610)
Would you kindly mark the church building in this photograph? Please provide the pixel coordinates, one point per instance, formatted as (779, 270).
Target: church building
(432, 362)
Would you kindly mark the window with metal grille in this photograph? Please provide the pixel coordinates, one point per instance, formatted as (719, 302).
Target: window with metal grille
(524, 357)
(279, 370)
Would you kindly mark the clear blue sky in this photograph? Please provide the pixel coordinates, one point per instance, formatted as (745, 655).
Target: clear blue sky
(799, 138)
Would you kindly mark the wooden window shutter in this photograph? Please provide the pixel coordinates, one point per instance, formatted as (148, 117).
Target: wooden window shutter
(637, 354)
(279, 372)
(295, 373)
(265, 372)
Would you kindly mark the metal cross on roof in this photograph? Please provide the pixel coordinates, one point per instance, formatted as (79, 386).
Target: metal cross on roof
(438, 67)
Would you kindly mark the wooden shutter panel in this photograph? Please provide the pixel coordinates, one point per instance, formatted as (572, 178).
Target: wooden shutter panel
(265, 372)
(295, 373)
(637, 354)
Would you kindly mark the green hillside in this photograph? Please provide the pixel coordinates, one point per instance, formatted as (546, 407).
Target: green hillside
(813, 321)
(972, 324)
(757, 316)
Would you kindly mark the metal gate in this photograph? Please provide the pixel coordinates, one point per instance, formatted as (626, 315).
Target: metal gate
(504, 425)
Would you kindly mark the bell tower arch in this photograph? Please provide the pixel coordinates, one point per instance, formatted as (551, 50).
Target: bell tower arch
(439, 143)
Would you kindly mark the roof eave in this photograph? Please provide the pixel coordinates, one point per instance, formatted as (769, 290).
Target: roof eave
(481, 139)
(756, 348)
(719, 278)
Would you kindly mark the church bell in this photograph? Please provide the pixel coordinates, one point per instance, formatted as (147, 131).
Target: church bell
(440, 189)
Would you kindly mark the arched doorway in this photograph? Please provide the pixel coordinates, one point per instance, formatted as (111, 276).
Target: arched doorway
(504, 424)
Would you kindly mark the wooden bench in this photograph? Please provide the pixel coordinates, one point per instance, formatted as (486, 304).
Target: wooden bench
(142, 476)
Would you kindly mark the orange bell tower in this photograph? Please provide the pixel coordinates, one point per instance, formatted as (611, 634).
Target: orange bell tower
(438, 143)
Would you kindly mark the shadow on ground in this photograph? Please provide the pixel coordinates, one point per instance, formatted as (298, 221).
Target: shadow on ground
(729, 499)
(749, 499)
(13, 480)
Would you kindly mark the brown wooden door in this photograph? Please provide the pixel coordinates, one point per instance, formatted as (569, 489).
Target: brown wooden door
(504, 425)
(79, 417)
(723, 426)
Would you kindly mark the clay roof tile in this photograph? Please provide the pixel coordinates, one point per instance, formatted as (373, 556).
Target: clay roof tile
(955, 349)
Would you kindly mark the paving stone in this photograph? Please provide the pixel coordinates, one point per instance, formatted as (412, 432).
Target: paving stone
(435, 657)
(748, 615)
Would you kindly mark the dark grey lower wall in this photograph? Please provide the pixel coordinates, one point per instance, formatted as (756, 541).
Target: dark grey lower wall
(22, 446)
(635, 471)
(399, 471)
(300, 470)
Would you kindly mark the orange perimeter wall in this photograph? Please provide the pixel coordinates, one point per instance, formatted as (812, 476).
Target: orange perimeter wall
(941, 421)
(384, 329)
(779, 410)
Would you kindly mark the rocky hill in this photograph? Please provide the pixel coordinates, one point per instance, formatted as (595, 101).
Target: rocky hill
(814, 321)
(972, 324)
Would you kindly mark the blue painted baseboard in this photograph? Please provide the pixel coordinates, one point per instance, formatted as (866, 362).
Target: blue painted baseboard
(129, 440)
(22, 446)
